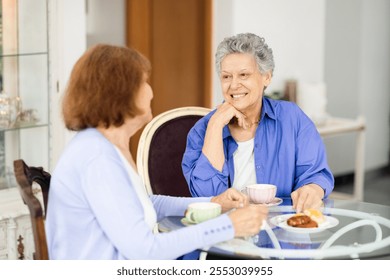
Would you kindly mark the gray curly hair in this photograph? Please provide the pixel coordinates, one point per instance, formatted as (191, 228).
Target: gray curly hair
(246, 43)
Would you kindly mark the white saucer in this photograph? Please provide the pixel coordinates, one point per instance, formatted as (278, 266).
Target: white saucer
(274, 202)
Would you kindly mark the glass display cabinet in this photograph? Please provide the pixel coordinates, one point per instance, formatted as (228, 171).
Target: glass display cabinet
(24, 114)
(24, 86)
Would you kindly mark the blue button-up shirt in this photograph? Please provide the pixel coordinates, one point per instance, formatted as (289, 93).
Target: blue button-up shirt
(288, 152)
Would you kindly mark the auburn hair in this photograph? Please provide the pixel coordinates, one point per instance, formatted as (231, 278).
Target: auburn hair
(102, 87)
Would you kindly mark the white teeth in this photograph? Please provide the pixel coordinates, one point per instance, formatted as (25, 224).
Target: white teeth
(237, 95)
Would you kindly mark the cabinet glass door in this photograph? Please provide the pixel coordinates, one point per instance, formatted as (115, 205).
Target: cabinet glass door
(24, 85)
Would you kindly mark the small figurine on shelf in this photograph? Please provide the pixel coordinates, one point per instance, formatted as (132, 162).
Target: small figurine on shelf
(27, 117)
(15, 110)
(20, 248)
(4, 110)
(10, 108)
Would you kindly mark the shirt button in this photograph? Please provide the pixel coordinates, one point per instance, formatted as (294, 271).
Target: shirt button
(258, 166)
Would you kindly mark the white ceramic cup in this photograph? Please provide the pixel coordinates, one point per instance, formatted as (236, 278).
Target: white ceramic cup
(261, 193)
(202, 211)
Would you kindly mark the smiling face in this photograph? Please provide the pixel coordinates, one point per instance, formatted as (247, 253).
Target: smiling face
(242, 83)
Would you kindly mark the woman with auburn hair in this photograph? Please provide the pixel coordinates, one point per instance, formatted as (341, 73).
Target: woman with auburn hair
(98, 207)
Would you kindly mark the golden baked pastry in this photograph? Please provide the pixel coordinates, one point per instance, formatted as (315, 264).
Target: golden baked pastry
(301, 221)
(310, 218)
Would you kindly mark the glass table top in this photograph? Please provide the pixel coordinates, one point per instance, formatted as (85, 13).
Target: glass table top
(353, 230)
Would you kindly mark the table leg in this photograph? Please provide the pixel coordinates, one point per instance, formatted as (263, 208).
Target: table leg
(358, 191)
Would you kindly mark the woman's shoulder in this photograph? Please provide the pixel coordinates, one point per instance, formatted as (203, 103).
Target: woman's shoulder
(87, 145)
(287, 114)
(283, 109)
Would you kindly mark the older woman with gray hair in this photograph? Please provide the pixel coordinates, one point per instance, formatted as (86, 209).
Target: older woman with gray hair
(252, 139)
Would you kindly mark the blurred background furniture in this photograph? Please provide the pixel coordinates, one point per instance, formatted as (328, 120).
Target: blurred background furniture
(161, 148)
(25, 177)
(339, 126)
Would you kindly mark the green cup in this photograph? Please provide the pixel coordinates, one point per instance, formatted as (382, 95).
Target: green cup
(202, 211)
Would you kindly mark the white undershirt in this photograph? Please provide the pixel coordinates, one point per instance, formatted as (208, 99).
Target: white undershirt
(149, 211)
(244, 165)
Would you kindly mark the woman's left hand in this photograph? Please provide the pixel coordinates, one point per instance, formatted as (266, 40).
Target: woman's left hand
(230, 199)
(307, 196)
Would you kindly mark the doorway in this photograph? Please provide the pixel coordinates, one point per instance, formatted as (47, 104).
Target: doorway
(176, 36)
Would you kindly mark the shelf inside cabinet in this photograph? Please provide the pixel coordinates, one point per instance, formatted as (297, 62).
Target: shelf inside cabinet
(24, 126)
(3, 55)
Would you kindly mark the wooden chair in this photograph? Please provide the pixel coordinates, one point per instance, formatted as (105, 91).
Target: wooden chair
(25, 176)
(161, 148)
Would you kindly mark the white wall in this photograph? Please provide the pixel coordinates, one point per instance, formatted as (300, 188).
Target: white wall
(106, 22)
(345, 44)
(374, 79)
(222, 27)
(357, 71)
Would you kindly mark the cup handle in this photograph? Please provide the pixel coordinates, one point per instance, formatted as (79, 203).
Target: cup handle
(190, 216)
